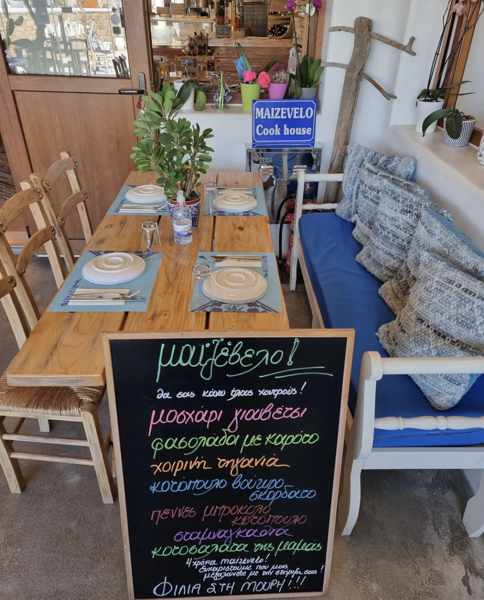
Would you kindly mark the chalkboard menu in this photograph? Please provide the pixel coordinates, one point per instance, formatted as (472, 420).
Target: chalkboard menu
(228, 454)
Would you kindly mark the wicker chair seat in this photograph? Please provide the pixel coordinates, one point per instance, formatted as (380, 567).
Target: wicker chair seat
(46, 401)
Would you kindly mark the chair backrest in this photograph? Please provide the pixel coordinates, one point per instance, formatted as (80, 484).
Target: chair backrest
(12, 309)
(302, 178)
(16, 267)
(66, 167)
(43, 216)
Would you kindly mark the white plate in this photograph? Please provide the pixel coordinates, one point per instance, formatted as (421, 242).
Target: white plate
(233, 201)
(113, 268)
(146, 194)
(234, 285)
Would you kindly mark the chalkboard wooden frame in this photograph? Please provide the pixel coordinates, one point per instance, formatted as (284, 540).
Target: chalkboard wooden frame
(347, 334)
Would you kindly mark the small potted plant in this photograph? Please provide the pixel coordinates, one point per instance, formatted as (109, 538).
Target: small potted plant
(251, 83)
(306, 80)
(175, 149)
(457, 125)
(278, 84)
(431, 100)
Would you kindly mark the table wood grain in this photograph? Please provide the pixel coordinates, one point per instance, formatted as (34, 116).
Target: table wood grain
(66, 348)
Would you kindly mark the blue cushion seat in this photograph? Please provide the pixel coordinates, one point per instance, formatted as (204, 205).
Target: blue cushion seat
(348, 298)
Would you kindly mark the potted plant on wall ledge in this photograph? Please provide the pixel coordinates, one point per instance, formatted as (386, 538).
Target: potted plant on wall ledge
(457, 125)
(438, 90)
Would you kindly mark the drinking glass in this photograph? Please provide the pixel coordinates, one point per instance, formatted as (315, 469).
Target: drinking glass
(151, 237)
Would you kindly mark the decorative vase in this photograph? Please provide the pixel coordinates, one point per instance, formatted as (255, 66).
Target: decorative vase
(277, 91)
(249, 93)
(308, 93)
(465, 136)
(424, 109)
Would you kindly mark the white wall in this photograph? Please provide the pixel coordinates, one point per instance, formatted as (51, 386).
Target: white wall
(395, 70)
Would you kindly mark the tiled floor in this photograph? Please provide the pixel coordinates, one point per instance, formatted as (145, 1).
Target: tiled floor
(59, 542)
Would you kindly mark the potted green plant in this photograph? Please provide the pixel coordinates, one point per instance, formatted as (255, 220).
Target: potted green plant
(432, 97)
(174, 148)
(431, 100)
(306, 81)
(457, 125)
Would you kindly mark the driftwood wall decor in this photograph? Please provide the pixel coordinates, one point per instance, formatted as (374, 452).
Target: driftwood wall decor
(355, 73)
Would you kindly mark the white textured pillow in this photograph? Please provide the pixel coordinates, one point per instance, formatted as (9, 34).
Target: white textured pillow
(356, 157)
(444, 316)
(434, 233)
(390, 228)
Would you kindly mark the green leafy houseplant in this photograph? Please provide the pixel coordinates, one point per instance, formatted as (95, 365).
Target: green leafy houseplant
(441, 93)
(308, 75)
(453, 121)
(173, 148)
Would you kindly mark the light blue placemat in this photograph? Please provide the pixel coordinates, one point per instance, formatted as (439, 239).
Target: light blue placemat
(121, 197)
(144, 283)
(257, 192)
(270, 302)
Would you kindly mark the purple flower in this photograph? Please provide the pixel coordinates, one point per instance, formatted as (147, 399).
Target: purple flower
(317, 4)
(291, 5)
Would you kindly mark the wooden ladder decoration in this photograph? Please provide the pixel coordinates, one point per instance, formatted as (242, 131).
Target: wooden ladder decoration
(355, 72)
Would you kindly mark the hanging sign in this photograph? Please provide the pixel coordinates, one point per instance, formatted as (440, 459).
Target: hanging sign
(283, 123)
(228, 451)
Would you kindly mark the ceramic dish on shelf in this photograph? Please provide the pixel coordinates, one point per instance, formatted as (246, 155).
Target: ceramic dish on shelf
(234, 285)
(146, 194)
(235, 201)
(113, 268)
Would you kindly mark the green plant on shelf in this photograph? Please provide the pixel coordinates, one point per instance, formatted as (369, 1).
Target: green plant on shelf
(453, 121)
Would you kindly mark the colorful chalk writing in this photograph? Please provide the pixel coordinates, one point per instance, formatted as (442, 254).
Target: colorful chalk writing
(228, 450)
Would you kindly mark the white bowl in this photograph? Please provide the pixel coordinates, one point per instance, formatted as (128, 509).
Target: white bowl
(146, 194)
(113, 268)
(235, 202)
(235, 285)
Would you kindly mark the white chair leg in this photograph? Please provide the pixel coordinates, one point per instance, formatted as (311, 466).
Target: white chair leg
(44, 425)
(473, 518)
(10, 466)
(351, 497)
(98, 453)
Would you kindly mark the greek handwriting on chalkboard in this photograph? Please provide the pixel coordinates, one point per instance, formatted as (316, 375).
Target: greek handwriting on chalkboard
(228, 453)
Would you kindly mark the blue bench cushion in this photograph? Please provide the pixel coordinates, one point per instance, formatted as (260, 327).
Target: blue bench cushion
(348, 298)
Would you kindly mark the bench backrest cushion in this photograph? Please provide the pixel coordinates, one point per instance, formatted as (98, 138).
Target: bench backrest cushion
(436, 234)
(388, 231)
(444, 316)
(357, 156)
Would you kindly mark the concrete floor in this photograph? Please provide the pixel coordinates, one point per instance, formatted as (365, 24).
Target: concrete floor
(59, 542)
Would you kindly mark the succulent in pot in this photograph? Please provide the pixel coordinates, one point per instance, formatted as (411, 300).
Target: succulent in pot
(457, 125)
(278, 84)
(306, 81)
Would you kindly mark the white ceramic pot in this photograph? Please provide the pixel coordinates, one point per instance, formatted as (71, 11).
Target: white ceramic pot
(465, 136)
(424, 109)
(480, 152)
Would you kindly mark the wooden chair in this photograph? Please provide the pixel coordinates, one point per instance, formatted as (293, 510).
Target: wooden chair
(43, 404)
(65, 168)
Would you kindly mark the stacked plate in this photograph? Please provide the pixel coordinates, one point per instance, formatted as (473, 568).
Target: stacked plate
(146, 194)
(235, 201)
(235, 285)
(113, 268)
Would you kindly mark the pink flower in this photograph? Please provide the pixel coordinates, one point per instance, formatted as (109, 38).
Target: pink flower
(317, 4)
(264, 79)
(249, 76)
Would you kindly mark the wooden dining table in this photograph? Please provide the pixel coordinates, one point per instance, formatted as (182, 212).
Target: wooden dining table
(65, 349)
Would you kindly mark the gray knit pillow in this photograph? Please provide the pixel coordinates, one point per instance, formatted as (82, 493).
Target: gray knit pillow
(393, 225)
(436, 234)
(356, 157)
(444, 316)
